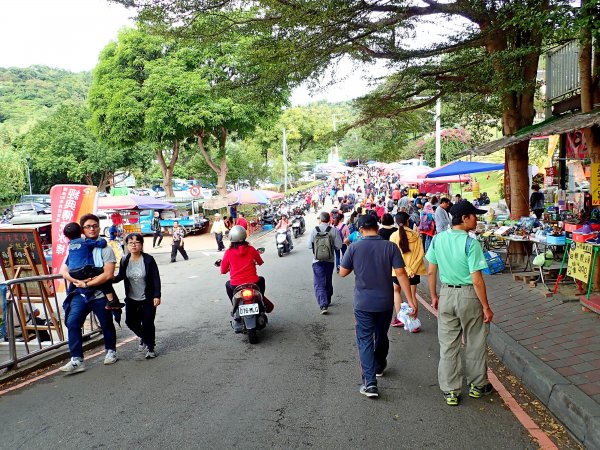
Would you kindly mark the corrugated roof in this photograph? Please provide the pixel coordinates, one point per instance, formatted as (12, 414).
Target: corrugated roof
(554, 125)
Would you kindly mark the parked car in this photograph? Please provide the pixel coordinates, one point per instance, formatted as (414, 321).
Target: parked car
(105, 222)
(38, 198)
(30, 208)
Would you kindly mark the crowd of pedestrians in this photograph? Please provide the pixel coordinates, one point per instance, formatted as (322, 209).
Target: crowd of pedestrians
(386, 234)
(377, 228)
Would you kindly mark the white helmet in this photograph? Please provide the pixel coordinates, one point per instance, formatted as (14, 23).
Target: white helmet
(237, 234)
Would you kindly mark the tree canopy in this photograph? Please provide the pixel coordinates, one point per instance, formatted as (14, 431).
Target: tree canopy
(488, 62)
(161, 91)
(63, 149)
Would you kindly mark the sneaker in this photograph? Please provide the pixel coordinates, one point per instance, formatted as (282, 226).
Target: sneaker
(478, 392)
(452, 398)
(142, 347)
(369, 391)
(379, 373)
(150, 354)
(324, 310)
(73, 367)
(111, 357)
(396, 323)
(115, 304)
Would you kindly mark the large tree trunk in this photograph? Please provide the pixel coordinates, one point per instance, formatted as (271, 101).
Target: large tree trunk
(221, 169)
(167, 168)
(516, 160)
(518, 112)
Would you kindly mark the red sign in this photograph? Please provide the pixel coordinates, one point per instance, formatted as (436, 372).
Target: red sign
(576, 145)
(69, 202)
(195, 191)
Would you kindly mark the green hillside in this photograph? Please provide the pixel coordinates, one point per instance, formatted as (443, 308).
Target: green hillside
(30, 94)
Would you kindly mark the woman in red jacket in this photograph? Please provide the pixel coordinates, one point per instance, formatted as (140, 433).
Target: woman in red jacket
(240, 260)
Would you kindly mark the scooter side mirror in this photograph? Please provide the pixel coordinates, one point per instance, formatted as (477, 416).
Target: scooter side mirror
(218, 262)
(260, 250)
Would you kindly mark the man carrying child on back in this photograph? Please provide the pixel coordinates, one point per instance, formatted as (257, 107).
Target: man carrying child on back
(81, 262)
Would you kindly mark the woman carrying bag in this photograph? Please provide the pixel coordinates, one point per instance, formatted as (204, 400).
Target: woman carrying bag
(142, 292)
(411, 248)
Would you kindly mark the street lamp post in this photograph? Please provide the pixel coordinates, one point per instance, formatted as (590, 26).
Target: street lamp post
(438, 133)
(27, 159)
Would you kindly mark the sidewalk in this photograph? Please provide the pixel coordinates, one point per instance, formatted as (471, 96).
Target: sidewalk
(553, 348)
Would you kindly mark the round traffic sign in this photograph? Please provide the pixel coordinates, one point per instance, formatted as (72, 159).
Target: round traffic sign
(195, 191)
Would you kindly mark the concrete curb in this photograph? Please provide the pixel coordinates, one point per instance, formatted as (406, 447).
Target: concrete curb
(578, 412)
(47, 359)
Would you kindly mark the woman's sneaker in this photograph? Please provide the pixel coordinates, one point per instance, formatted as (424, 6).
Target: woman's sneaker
(452, 398)
(150, 354)
(142, 347)
(73, 367)
(478, 392)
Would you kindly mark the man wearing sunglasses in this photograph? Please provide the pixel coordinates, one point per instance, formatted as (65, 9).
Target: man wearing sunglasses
(77, 307)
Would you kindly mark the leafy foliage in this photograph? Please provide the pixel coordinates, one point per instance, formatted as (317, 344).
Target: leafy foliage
(64, 150)
(30, 94)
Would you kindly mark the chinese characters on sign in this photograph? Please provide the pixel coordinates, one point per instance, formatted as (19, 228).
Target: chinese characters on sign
(580, 262)
(69, 203)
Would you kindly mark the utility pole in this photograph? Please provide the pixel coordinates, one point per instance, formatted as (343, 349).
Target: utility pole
(27, 159)
(335, 157)
(438, 133)
(285, 163)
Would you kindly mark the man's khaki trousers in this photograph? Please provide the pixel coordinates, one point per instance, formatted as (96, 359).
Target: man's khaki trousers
(460, 314)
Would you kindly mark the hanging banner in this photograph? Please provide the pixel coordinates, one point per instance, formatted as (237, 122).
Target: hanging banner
(576, 146)
(69, 202)
(595, 183)
(580, 262)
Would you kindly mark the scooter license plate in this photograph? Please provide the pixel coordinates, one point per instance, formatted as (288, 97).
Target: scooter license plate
(248, 310)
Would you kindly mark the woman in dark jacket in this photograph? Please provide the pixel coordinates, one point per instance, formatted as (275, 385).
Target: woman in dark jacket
(142, 292)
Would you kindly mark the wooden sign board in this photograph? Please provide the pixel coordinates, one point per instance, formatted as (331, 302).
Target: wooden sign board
(580, 262)
(18, 239)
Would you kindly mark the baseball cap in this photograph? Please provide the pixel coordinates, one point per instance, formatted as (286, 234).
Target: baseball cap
(367, 221)
(464, 208)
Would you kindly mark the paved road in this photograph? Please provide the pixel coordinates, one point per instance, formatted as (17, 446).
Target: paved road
(297, 388)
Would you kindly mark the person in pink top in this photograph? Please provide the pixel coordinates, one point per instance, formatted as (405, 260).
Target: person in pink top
(344, 233)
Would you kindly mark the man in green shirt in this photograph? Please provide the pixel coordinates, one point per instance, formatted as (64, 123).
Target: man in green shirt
(463, 308)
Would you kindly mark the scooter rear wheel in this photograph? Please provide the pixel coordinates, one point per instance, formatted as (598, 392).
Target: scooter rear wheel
(280, 252)
(252, 337)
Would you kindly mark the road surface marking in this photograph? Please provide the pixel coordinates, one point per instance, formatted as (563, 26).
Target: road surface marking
(52, 372)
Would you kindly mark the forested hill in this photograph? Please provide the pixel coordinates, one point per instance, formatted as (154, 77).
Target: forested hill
(30, 94)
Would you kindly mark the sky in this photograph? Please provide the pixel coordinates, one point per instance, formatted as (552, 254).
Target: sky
(69, 34)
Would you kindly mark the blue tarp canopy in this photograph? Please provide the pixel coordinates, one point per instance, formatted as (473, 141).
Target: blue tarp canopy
(463, 168)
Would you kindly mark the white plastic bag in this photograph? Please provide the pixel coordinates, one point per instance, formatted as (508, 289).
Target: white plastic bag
(410, 324)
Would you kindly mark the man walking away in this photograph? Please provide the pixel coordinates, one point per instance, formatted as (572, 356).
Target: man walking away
(218, 229)
(324, 240)
(463, 308)
(177, 244)
(157, 229)
(372, 260)
(441, 216)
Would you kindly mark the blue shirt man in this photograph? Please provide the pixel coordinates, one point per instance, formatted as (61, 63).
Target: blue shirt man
(372, 260)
